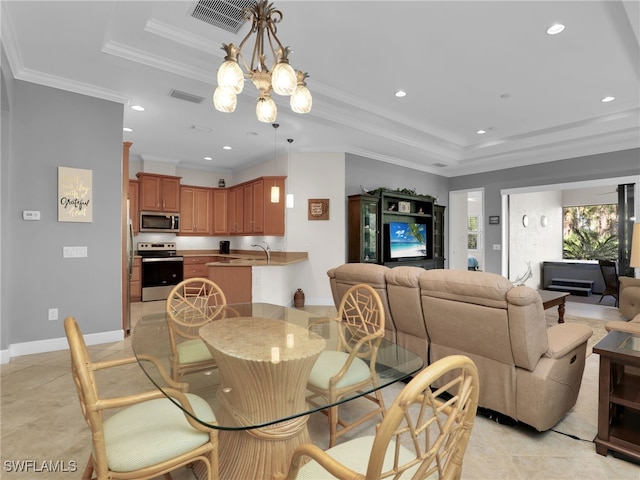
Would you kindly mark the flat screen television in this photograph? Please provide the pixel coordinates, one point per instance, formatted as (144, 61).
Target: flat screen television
(407, 240)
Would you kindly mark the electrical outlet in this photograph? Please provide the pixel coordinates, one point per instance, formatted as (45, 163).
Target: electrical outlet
(53, 314)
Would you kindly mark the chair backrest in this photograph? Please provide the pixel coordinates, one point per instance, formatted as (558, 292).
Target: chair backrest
(85, 381)
(193, 303)
(434, 427)
(362, 316)
(345, 276)
(609, 271)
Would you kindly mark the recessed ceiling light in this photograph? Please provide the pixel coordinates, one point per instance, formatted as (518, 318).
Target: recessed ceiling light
(226, 147)
(127, 129)
(400, 93)
(481, 132)
(608, 99)
(555, 29)
(137, 108)
(208, 158)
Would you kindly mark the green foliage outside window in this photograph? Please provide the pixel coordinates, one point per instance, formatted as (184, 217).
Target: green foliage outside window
(472, 232)
(590, 232)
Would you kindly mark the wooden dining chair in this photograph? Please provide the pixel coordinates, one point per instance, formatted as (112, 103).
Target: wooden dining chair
(149, 435)
(424, 434)
(191, 304)
(351, 367)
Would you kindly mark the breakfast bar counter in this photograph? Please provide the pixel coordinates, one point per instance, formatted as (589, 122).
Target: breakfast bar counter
(246, 275)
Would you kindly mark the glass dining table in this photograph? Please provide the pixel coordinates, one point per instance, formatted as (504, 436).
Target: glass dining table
(264, 355)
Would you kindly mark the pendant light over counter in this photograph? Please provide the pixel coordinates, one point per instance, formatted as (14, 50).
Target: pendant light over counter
(275, 189)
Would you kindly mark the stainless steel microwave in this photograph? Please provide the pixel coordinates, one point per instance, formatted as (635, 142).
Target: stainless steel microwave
(159, 222)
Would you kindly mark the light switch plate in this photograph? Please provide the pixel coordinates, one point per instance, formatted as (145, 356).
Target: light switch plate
(74, 252)
(30, 215)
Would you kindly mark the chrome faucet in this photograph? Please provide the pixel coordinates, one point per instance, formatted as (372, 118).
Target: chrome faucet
(267, 249)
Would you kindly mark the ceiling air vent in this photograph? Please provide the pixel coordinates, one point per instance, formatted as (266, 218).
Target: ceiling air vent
(225, 14)
(439, 164)
(187, 97)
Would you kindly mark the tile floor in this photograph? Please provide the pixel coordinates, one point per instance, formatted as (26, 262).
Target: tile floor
(41, 421)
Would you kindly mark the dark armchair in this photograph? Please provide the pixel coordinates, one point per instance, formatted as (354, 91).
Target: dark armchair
(610, 274)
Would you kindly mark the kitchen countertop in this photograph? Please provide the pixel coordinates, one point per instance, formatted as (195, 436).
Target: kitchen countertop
(247, 258)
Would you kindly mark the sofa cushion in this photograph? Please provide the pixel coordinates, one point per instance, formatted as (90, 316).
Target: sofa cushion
(479, 288)
(403, 289)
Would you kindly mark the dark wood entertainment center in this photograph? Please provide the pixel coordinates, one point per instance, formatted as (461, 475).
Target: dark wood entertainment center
(371, 216)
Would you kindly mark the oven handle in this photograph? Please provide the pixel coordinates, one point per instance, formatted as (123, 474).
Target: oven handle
(163, 259)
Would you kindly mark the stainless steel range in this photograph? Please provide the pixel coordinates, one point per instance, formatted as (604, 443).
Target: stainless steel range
(162, 269)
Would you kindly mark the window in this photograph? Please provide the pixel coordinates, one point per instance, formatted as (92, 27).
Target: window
(473, 232)
(590, 232)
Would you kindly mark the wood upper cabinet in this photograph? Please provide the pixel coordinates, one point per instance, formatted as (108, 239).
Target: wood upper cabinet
(134, 209)
(253, 206)
(220, 217)
(159, 193)
(235, 209)
(195, 211)
(273, 213)
(251, 211)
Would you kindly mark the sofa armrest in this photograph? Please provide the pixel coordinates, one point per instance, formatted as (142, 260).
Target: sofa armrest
(632, 327)
(628, 282)
(564, 337)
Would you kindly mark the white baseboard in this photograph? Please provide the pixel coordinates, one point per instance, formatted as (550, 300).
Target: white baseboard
(55, 344)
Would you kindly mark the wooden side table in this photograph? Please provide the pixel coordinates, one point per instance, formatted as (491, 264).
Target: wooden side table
(618, 395)
(551, 299)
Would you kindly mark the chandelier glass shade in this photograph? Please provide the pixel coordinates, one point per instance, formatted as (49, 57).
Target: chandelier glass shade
(280, 78)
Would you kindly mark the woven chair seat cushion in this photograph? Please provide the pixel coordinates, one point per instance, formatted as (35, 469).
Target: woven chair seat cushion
(193, 351)
(354, 454)
(151, 432)
(330, 362)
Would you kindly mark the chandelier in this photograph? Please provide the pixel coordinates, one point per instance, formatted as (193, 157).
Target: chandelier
(281, 78)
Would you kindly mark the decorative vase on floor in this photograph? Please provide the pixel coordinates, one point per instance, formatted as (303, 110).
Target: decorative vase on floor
(298, 298)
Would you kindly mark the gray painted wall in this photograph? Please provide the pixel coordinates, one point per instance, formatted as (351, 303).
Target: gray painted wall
(592, 167)
(51, 128)
(6, 86)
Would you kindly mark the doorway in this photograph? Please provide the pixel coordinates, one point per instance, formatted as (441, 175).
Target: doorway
(466, 228)
(514, 250)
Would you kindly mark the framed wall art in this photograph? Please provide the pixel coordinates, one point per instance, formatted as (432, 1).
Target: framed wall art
(318, 209)
(75, 195)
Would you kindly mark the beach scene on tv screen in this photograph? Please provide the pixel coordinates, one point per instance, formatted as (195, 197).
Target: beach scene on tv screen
(407, 240)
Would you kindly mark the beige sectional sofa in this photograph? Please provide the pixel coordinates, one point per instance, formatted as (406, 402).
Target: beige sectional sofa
(528, 372)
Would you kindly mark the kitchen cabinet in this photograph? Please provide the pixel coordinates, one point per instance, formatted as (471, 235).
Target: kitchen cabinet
(250, 210)
(220, 217)
(235, 282)
(196, 266)
(253, 206)
(159, 193)
(195, 210)
(134, 209)
(135, 283)
(273, 213)
(235, 209)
